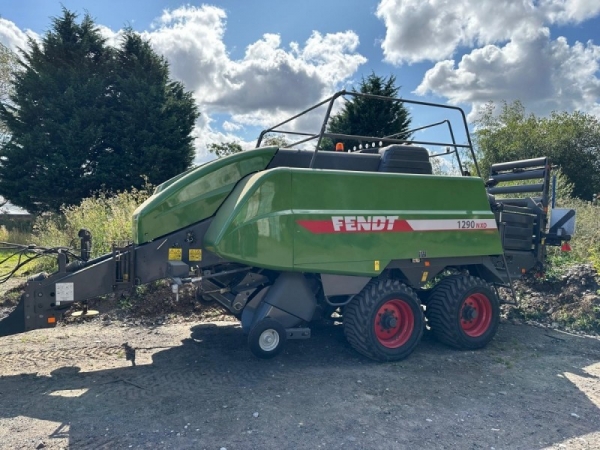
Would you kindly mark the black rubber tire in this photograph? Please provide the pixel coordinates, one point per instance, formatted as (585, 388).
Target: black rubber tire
(360, 315)
(445, 309)
(254, 338)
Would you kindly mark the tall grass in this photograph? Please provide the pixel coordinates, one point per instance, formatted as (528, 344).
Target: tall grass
(15, 235)
(586, 241)
(106, 215)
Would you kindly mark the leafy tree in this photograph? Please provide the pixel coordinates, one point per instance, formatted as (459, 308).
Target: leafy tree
(570, 140)
(371, 117)
(274, 140)
(224, 148)
(84, 115)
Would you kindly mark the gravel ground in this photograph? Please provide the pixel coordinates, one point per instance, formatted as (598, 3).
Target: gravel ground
(197, 386)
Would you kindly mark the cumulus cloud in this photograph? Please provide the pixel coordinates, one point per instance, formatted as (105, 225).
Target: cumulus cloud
(544, 74)
(13, 37)
(268, 77)
(513, 56)
(420, 30)
(268, 83)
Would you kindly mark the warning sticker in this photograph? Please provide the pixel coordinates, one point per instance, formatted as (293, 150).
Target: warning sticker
(175, 254)
(195, 254)
(64, 292)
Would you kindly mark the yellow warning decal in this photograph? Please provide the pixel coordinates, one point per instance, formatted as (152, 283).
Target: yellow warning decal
(424, 277)
(195, 254)
(175, 254)
(376, 265)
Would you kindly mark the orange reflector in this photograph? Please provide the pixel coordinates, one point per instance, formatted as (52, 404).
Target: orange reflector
(565, 247)
(51, 319)
(339, 147)
(523, 270)
(427, 263)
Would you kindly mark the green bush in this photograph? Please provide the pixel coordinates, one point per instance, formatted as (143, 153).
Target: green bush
(106, 215)
(586, 241)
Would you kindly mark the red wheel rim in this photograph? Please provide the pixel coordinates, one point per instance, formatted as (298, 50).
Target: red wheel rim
(394, 323)
(476, 315)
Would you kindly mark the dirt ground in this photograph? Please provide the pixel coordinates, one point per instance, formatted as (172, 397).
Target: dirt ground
(197, 386)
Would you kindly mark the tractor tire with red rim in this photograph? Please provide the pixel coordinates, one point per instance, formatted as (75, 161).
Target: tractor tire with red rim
(463, 312)
(384, 321)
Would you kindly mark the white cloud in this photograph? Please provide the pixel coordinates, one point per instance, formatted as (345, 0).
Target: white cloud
(512, 54)
(570, 11)
(267, 77)
(420, 30)
(113, 38)
(13, 37)
(544, 74)
(268, 84)
(231, 126)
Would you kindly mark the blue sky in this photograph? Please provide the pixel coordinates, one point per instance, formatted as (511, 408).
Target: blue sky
(251, 63)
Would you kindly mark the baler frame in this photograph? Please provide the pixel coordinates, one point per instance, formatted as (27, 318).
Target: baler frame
(225, 244)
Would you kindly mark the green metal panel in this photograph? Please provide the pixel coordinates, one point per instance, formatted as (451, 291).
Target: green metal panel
(195, 195)
(285, 219)
(255, 224)
(425, 200)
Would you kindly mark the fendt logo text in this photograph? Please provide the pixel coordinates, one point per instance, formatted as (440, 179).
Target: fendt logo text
(362, 223)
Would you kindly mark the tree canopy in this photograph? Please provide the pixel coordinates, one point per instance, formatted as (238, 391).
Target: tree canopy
(221, 149)
(371, 117)
(224, 148)
(84, 115)
(570, 140)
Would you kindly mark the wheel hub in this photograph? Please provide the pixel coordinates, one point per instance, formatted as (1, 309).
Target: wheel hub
(388, 321)
(476, 315)
(469, 313)
(268, 340)
(394, 323)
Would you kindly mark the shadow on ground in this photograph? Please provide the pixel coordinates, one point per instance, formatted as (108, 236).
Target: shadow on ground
(528, 389)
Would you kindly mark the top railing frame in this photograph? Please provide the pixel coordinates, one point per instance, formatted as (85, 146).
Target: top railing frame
(388, 139)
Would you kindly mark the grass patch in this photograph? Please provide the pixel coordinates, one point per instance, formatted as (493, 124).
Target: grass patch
(586, 242)
(107, 215)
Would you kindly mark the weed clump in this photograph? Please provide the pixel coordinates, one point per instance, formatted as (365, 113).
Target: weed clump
(108, 216)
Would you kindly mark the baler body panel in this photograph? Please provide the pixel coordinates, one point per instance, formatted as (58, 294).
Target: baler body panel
(351, 223)
(195, 195)
(255, 225)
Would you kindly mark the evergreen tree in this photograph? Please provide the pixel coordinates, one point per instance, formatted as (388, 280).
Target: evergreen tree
(85, 116)
(149, 129)
(371, 117)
